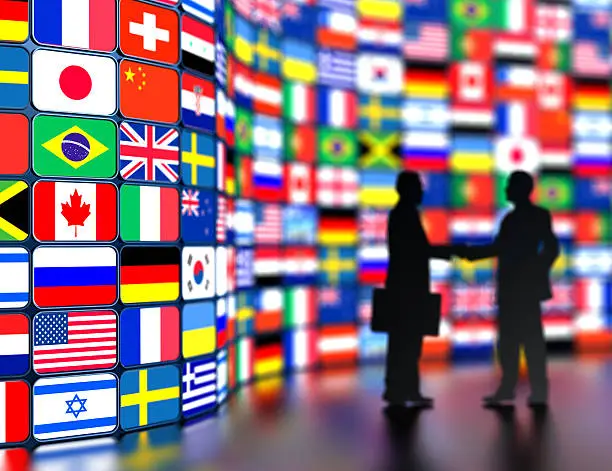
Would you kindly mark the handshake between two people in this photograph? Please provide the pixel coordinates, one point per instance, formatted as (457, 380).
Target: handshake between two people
(464, 251)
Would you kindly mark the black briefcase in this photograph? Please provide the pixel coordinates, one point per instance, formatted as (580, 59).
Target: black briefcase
(383, 306)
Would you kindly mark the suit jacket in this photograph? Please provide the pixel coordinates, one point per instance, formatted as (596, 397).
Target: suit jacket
(409, 254)
(526, 248)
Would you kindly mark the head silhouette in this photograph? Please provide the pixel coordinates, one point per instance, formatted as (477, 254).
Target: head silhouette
(519, 187)
(409, 187)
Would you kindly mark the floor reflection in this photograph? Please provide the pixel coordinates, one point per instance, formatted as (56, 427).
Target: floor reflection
(334, 420)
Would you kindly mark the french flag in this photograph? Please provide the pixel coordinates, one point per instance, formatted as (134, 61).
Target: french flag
(337, 108)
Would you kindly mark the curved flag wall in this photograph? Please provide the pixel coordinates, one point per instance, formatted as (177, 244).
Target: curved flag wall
(194, 195)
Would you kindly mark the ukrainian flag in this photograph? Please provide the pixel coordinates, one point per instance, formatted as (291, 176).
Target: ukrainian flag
(472, 154)
(377, 188)
(199, 332)
(245, 41)
(149, 396)
(299, 61)
(381, 10)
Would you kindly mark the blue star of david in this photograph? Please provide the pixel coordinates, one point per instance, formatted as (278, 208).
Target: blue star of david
(81, 408)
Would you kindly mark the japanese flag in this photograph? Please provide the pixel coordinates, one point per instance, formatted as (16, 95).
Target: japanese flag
(516, 153)
(65, 82)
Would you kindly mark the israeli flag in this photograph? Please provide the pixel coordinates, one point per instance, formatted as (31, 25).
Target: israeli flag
(75, 406)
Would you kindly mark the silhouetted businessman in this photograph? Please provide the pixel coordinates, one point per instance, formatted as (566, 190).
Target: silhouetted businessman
(408, 284)
(526, 248)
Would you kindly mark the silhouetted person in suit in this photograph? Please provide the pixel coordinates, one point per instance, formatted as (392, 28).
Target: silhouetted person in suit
(526, 248)
(408, 284)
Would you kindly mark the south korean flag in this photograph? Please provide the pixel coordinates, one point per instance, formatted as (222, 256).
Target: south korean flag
(198, 267)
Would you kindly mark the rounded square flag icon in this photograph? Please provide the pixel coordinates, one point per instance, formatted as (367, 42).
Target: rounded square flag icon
(198, 267)
(66, 82)
(198, 329)
(14, 345)
(74, 276)
(13, 20)
(14, 411)
(14, 77)
(14, 277)
(149, 396)
(74, 406)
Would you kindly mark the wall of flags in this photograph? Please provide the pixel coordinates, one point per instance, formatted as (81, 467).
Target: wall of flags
(194, 194)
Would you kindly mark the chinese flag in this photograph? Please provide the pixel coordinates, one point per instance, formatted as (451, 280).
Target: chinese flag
(149, 92)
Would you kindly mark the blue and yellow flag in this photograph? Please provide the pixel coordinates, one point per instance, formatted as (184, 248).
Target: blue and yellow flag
(198, 327)
(14, 77)
(244, 41)
(268, 52)
(379, 113)
(338, 265)
(198, 159)
(149, 396)
(377, 188)
(472, 153)
(299, 61)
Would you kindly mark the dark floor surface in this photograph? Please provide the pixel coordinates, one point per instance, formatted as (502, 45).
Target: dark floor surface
(334, 421)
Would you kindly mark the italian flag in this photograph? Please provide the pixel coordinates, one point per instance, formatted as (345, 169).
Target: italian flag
(299, 102)
(149, 213)
(300, 306)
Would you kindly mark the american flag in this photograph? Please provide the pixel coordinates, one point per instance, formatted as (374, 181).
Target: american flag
(221, 63)
(190, 203)
(268, 224)
(231, 269)
(268, 13)
(245, 265)
(74, 341)
(337, 186)
(149, 152)
(373, 225)
(426, 41)
(336, 68)
(221, 218)
(590, 58)
(199, 386)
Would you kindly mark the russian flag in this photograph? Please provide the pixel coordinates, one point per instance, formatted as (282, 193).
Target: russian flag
(267, 180)
(373, 262)
(74, 276)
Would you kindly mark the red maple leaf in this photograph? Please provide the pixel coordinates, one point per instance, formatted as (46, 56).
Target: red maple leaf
(75, 212)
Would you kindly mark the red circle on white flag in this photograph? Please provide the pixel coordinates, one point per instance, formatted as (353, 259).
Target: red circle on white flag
(75, 82)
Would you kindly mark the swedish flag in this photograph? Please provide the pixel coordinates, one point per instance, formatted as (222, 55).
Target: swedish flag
(268, 54)
(380, 113)
(149, 396)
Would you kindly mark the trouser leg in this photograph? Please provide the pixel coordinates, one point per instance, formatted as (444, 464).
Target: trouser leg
(508, 345)
(535, 350)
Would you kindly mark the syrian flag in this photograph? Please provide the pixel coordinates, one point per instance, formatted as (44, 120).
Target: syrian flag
(198, 44)
(64, 82)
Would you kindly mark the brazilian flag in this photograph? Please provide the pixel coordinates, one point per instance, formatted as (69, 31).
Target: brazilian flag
(244, 131)
(337, 146)
(380, 150)
(555, 192)
(477, 13)
(74, 147)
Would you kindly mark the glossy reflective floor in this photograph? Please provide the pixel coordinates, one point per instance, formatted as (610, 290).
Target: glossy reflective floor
(333, 421)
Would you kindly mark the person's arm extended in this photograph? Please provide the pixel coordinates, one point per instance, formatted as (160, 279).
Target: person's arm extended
(442, 251)
(550, 244)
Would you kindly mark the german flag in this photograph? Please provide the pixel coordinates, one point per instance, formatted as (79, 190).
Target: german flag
(268, 355)
(14, 20)
(338, 227)
(14, 210)
(149, 274)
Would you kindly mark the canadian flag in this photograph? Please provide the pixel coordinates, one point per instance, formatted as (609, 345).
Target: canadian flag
(299, 178)
(552, 90)
(472, 80)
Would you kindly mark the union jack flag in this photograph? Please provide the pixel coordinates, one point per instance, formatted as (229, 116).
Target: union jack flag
(149, 152)
(373, 225)
(473, 299)
(190, 203)
(268, 13)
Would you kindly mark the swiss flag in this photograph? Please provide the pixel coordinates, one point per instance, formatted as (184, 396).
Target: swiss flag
(299, 178)
(472, 83)
(148, 31)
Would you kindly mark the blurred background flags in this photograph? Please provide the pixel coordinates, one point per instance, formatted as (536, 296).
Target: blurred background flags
(300, 102)
(337, 29)
(337, 146)
(244, 222)
(380, 113)
(380, 150)
(337, 186)
(244, 43)
(426, 41)
(373, 262)
(436, 186)
(300, 224)
(337, 304)
(336, 107)
(199, 392)
(373, 225)
(472, 191)
(337, 265)
(472, 228)
(377, 188)
(267, 137)
(593, 193)
(472, 153)
(426, 10)
(267, 52)
(379, 74)
(299, 61)
(336, 68)
(555, 192)
(299, 20)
